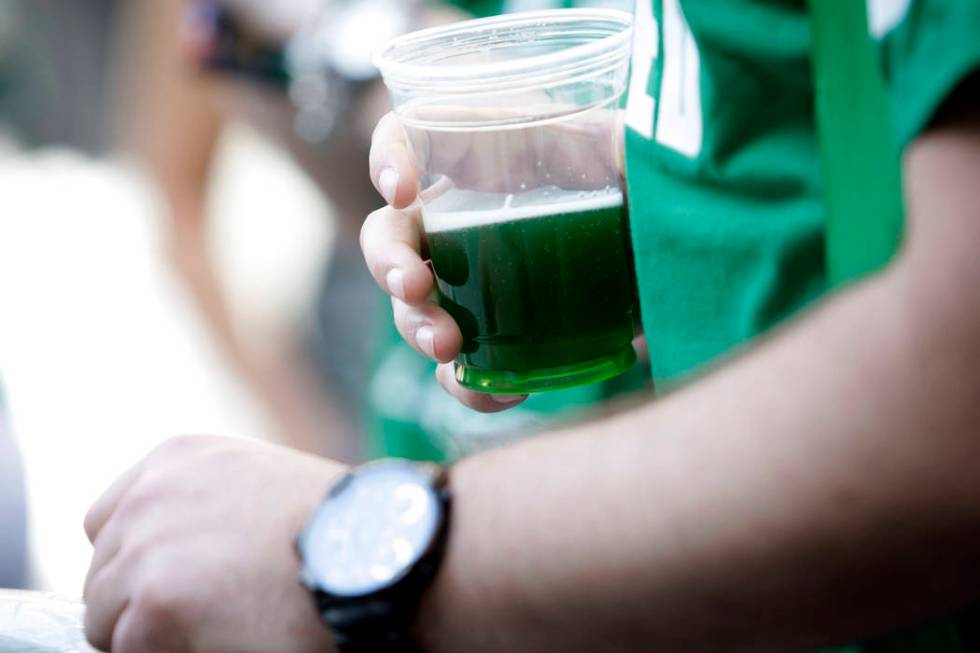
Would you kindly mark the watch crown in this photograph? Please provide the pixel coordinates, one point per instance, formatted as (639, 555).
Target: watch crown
(307, 580)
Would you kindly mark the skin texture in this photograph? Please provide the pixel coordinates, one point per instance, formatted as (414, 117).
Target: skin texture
(817, 488)
(194, 551)
(813, 490)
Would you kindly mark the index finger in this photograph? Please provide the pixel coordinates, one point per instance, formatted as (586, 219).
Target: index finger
(393, 171)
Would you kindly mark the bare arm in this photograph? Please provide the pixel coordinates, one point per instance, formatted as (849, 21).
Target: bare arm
(820, 488)
(817, 489)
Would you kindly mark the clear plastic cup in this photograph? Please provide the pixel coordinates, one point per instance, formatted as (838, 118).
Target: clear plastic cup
(32, 622)
(514, 127)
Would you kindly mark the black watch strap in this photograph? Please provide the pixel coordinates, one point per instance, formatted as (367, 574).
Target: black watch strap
(389, 642)
(382, 621)
(367, 628)
(382, 626)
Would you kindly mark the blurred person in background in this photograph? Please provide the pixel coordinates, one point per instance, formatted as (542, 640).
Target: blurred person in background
(301, 71)
(187, 70)
(816, 488)
(190, 68)
(173, 87)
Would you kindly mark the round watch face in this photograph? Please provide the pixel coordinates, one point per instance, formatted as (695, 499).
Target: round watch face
(373, 528)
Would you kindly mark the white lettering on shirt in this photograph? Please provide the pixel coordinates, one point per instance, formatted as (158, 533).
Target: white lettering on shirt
(680, 125)
(885, 15)
(641, 106)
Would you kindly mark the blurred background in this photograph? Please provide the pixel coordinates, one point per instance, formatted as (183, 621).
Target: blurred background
(167, 221)
(182, 183)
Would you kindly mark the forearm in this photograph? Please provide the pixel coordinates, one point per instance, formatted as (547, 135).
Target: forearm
(819, 488)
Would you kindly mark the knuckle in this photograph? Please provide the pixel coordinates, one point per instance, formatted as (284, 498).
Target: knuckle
(361, 235)
(90, 621)
(133, 553)
(137, 501)
(408, 319)
(157, 604)
(407, 333)
(381, 136)
(174, 445)
(95, 637)
(443, 373)
(146, 493)
(386, 123)
(90, 522)
(368, 229)
(95, 581)
(379, 127)
(399, 309)
(183, 446)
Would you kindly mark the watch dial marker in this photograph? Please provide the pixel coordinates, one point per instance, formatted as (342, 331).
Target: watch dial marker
(372, 530)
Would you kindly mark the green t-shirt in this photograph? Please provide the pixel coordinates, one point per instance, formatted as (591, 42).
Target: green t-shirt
(723, 173)
(725, 195)
(481, 8)
(409, 415)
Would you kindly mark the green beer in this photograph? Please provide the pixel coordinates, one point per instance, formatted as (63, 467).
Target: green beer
(514, 128)
(541, 287)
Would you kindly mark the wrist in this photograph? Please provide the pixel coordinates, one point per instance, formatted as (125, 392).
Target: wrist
(310, 629)
(371, 550)
(458, 612)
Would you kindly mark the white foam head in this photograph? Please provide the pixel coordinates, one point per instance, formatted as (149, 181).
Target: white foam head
(461, 209)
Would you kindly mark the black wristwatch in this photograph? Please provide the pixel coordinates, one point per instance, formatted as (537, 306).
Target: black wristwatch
(372, 548)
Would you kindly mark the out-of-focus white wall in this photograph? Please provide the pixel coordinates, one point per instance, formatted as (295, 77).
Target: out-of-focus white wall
(102, 351)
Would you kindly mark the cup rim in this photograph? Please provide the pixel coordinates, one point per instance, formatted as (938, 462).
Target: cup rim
(510, 72)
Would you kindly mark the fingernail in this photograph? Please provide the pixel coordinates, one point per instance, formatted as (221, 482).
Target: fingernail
(388, 181)
(425, 336)
(508, 399)
(395, 280)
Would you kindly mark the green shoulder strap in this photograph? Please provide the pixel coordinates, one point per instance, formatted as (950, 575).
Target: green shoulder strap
(861, 167)
(858, 145)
